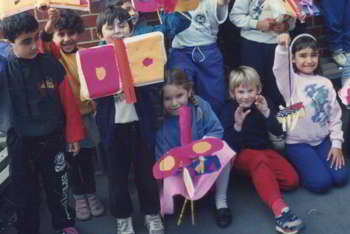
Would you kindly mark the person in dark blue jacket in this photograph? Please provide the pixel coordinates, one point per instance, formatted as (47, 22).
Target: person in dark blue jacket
(127, 135)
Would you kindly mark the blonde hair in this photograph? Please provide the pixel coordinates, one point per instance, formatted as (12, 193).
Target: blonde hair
(243, 75)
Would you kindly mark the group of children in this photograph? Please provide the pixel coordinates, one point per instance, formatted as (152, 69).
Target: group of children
(52, 132)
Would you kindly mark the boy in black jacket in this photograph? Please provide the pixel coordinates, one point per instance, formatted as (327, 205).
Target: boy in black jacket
(36, 126)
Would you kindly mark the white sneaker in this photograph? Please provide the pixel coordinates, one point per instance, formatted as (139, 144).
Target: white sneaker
(124, 226)
(154, 224)
(339, 58)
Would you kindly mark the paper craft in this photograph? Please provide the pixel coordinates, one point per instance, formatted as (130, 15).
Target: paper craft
(282, 10)
(141, 59)
(289, 116)
(166, 5)
(182, 156)
(309, 8)
(12, 7)
(344, 93)
(175, 185)
(98, 74)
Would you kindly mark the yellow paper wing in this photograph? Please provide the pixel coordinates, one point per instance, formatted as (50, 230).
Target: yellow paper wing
(186, 5)
(147, 57)
(12, 7)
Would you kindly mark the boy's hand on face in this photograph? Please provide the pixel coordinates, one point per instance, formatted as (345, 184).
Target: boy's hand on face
(240, 115)
(74, 148)
(280, 27)
(337, 158)
(261, 105)
(283, 39)
(54, 15)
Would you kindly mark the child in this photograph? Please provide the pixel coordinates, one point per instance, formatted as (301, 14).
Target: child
(253, 120)
(127, 138)
(337, 21)
(65, 28)
(35, 136)
(316, 154)
(258, 37)
(171, 23)
(176, 92)
(195, 51)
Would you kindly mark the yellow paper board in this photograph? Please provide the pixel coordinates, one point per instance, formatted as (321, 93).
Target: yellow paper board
(186, 5)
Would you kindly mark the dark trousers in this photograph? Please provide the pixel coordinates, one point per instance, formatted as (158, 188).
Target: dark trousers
(337, 21)
(128, 148)
(82, 172)
(315, 172)
(204, 66)
(260, 56)
(31, 157)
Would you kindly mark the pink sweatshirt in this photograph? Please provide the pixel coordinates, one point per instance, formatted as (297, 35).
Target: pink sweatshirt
(322, 111)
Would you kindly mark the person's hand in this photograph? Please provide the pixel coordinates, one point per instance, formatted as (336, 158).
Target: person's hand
(240, 115)
(280, 27)
(54, 15)
(261, 105)
(265, 25)
(283, 39)
(74, 148)
(337, 158)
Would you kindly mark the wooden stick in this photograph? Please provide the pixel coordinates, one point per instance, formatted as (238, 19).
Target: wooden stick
(192, 211)
(182, 212)
(160, 19)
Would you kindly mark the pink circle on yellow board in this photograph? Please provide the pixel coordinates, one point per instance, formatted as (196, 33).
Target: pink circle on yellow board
(201, 147)
(167, 163)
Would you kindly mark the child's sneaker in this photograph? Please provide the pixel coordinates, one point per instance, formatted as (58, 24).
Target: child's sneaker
(288, 223)
(339, 57)
(96, 206)
(82, 211)
(154, 224)
(124, 226)
(68, 230)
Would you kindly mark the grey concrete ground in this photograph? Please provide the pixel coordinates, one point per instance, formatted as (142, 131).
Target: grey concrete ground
(322, 214)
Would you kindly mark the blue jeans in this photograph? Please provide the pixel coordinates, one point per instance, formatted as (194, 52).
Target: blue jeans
(314, 170)
(204, 65)
(337, 21)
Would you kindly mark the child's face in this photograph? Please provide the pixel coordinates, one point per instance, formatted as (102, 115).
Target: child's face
(24, 45)
(67, 40)
(306, 60)
(175, 96)
(245, 94)
(116, 31)
(131, 10)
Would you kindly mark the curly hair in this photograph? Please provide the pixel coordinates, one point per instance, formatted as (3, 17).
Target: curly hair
(15, 25)
(71, 21)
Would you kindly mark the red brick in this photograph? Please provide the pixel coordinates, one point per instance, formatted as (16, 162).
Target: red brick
(86, 35)
(89, 20)
(96, 7)
(94, 34)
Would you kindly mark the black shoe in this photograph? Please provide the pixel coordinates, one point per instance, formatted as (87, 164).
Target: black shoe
(223, 217)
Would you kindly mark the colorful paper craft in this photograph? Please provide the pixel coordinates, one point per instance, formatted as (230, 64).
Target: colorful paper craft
(182, 156)
(142, 58)
(12, 7)
(166, 5)
(178, 185)
(282, 10)
(98, 74)
(290, 115)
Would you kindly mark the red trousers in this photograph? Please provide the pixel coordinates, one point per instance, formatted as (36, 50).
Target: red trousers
(269, 171)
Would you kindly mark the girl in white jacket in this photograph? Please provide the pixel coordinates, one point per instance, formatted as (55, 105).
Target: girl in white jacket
(314, 144)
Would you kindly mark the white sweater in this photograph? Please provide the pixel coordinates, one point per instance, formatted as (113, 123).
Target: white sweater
(323, 112)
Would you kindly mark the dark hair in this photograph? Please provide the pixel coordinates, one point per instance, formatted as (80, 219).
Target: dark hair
(15, 25)
(303, 43)
(179, 78)
(71, 21)
(109, 15)
(115, 3)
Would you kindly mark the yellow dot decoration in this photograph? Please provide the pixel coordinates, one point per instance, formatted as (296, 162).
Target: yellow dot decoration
(167, 163)
(201, 147)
